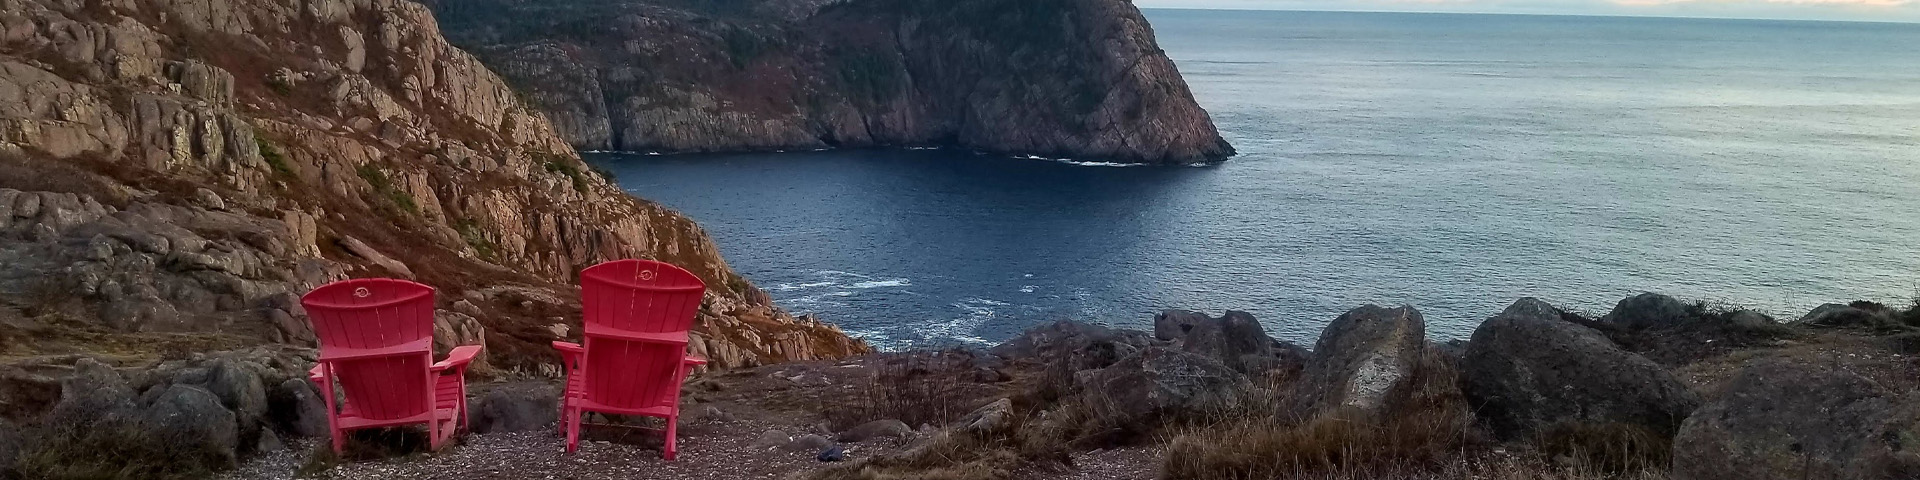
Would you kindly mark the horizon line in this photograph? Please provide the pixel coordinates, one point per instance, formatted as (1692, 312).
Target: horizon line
(1538, 14)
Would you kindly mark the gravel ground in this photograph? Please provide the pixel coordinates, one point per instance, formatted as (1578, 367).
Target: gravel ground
(708, 450)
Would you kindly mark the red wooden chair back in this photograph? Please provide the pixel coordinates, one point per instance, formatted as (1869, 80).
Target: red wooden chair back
(626, 299)
(384, 319)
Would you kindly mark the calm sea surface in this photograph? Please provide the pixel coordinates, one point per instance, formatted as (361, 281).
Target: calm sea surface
(1451, 162)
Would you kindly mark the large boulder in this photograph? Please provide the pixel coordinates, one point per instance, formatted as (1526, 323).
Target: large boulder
(1161, 382)
(1862, 315)
(296, 407)
(1079, 345)
(1527, 370)
(192, 422)
(1786, 419)
(1647, 310)
(1362, 360)
(239, 388)
(1235, 339)
(516, 408)
(1672, 332)
(93, 391)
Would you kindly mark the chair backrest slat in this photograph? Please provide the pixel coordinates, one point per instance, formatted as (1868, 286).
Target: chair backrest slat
(636, 296)
(374, 313)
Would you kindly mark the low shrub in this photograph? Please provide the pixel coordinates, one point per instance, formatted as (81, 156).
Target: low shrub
(384, 188)
(114, 448)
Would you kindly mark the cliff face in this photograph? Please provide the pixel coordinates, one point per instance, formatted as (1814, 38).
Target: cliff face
(1062, 78)
(174, 174)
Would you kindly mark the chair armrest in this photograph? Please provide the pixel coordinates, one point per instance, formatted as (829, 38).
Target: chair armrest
(318, 374)
(693, 361)
(568, 347)
(458, 358)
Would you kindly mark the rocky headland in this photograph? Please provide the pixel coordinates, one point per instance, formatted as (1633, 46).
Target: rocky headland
(173, 175)
(1056, 78)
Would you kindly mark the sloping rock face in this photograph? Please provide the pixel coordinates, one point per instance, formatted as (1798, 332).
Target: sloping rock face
(1784, 419)
(1527, 370)
(1363, 361)
(194, 166)
(1060, 78)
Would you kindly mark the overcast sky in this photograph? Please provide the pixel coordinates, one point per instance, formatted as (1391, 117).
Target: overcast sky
(1865, 10)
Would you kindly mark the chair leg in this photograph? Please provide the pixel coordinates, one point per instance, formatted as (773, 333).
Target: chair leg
(673, 430)
(339, 442)
(573, 429)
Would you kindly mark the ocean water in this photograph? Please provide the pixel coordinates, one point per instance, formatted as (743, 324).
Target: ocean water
(1450, 162)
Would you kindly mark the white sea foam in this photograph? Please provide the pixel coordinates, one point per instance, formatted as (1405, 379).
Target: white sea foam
(837, 273)
(897, 282)
(788, 287)
(1028, 289)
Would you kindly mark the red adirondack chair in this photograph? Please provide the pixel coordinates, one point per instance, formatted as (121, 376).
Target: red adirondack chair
(634, 358)
(376, 341)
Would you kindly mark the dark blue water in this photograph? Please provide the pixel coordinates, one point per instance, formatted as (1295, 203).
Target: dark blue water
(1452, 162)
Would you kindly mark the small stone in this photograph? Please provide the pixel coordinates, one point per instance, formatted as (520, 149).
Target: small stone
(206, 198)
(832, 454)
(808, 443)
(888, 428)
(269, 442)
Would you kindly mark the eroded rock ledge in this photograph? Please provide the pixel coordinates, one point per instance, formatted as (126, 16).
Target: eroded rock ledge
(1057, 78)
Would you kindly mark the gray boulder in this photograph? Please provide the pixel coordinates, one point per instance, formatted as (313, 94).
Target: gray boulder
(1783, 419)
(1671, 332)
(987, 418)
(1078, 345)
(1161, 381)
(239, 389)
(1647, 310)
(1526, 370)
(888, 428)
(1865, 315)
(93, 391)
(516, 408)
(191, 421)
(1362, 360)
(1235, 339)
(296, 407)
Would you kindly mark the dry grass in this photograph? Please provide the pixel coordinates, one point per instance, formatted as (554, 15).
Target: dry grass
(913, 388)
(116, 448)
(1427, 432)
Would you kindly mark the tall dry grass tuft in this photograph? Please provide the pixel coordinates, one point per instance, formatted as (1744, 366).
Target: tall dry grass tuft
(1424, 432)
(1607, 448)
(909, 389)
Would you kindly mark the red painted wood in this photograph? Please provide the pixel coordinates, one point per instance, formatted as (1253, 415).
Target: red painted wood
(376, 342)
(633, 357)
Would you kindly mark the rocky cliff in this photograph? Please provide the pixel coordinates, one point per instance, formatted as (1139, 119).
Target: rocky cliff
(1058, 78)
(174, 174)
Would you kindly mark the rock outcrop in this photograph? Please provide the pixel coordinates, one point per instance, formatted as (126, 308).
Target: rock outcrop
(1065, 78)
(1236, 339)
(1527, 370)
(1362, 360)
(171, 167)
(1784, 419)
